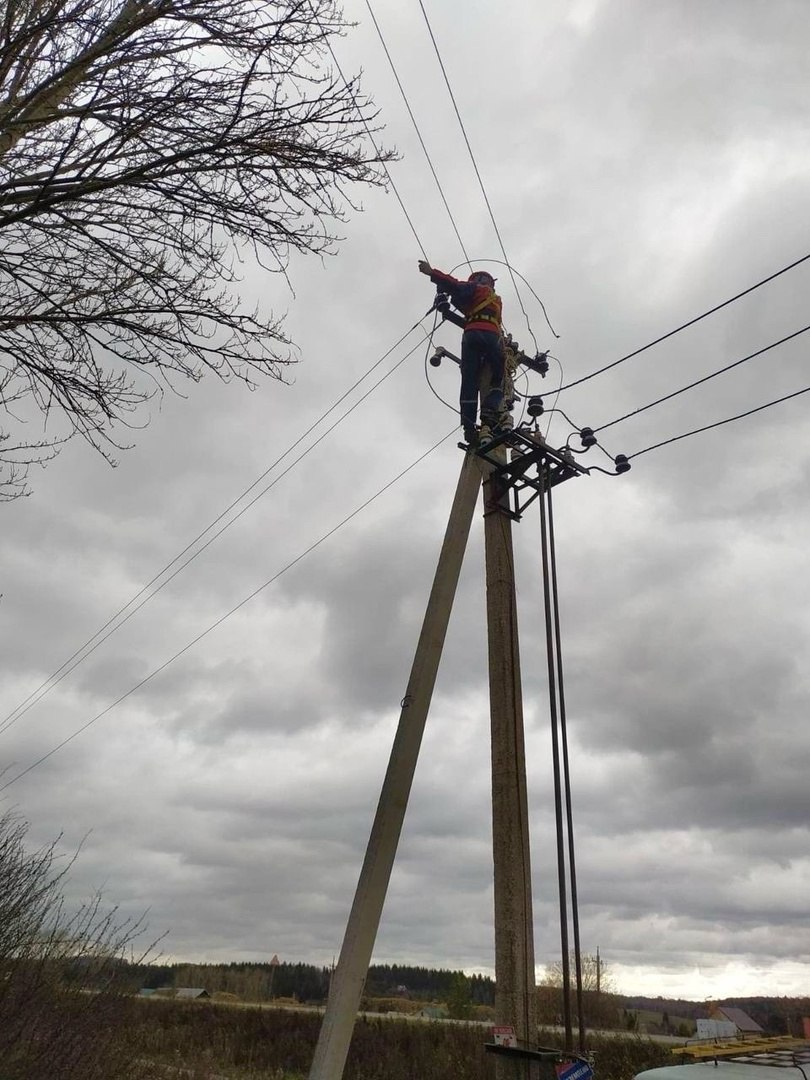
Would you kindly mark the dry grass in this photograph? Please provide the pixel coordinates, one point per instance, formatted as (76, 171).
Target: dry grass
(213, 1042)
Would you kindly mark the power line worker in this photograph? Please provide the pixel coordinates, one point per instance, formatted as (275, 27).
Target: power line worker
(482, 355)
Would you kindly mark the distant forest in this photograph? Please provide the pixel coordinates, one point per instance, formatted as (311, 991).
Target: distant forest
(310, 985)
(777, 1015)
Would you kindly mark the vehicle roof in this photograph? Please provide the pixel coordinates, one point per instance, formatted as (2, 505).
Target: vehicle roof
(722, 1070)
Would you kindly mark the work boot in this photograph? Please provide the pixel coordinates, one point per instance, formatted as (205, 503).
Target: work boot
(471, 436)
(485, 435)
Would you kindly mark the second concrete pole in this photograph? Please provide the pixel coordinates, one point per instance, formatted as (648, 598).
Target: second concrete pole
(516, 998)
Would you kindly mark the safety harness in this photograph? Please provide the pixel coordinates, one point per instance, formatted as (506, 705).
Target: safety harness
(479, 313)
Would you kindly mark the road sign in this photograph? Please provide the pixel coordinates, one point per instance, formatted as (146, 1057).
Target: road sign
(574, 1070)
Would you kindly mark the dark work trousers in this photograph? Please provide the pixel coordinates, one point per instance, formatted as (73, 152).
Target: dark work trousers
(482, 365)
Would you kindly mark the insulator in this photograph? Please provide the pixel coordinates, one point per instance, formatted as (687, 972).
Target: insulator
(535, 406)
(587, 437)
(436, 359)
(541, 360)
(621, 463)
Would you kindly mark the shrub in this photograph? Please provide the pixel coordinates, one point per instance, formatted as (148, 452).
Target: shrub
(61, 1014)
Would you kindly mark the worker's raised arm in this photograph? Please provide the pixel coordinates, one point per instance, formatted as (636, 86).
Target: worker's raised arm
(438, 277)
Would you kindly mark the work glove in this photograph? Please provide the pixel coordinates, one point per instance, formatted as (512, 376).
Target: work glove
(425, 267)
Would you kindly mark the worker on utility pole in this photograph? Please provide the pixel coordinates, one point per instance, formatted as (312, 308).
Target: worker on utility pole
(482, 353)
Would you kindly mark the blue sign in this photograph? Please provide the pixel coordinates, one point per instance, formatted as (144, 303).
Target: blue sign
(574, 1070)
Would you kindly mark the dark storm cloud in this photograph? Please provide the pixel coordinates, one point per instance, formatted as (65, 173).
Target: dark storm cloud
(648, 163)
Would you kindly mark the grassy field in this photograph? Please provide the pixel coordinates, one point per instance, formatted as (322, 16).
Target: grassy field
(209, 1041)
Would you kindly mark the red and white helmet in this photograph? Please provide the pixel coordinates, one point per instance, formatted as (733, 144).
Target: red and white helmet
(481, 277)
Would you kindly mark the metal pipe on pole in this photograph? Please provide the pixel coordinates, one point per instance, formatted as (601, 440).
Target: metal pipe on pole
(555, 758)
(569, 813)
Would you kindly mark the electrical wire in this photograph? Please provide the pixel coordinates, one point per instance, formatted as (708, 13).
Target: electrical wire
(218, 622)
(431, 387)
(523, 374)
(706, 378)
(378, 152)
(686, 325)
(719, 423)
(480, 181)
(92, 643)
(500, 262)
(416, 129)
(585, 449)
(556, 398)
(436, 393)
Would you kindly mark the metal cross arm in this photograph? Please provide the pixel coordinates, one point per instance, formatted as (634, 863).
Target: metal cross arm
(537, 363)
(531, 465)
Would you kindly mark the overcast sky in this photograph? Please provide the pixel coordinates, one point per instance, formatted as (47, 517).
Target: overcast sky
(644, 162)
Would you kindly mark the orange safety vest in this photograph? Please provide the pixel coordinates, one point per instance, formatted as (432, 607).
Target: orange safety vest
(486, 314)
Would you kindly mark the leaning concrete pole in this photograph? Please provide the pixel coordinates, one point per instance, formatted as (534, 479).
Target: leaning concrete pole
(515, 995)
(355, 955)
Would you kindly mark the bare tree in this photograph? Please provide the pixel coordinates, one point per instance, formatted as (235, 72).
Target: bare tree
(147, 148)
(62, 1011)
(600, 1003)
(595, 974)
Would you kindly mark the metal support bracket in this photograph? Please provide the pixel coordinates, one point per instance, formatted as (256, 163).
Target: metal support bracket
(531, 464)
(543, 1054)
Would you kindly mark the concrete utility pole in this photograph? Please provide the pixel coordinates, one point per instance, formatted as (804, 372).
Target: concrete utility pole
(515, 994)
(358, 943)
(516, 999)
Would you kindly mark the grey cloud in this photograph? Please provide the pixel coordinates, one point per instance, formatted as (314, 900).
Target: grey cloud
(646, 166)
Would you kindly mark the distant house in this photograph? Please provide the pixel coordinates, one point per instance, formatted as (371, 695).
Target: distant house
(741, 1020)
(433, 1012)
(189, 993)
(716, 1029)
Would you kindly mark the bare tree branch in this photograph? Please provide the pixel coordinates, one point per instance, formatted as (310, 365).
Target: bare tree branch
(144, 145)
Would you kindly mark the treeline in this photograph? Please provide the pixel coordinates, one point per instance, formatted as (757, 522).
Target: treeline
(308, 983)
(600, 1010)
(426, 984)
(776, 1015)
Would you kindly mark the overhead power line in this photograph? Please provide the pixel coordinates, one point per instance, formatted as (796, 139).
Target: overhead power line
(218, 622)
(705, 379)
(481, 182)
(718, 423)
(116, 621)
(378, 151)
(416, 129)
(686, 325)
